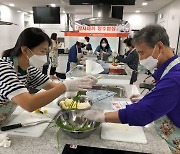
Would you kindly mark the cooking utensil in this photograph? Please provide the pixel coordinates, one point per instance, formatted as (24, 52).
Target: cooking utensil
(72, 124)
(19, 125)
(99, 77)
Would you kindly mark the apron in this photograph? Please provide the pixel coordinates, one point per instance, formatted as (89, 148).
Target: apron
(8, 107)
(53, 54)
(165, 127)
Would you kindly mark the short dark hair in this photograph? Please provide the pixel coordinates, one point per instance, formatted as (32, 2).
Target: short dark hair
(125, 40)
(54, 36)
(87, 38)
(151, 35)
(129, 42)
(30, 37)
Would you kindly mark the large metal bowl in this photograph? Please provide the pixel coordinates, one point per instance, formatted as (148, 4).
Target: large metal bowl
(72, 119)
(83, 98)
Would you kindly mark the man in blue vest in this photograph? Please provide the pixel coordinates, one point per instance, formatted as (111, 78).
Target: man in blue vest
(162, 104)
(75, 53)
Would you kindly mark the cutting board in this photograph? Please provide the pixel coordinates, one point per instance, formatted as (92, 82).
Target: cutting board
(26, 117)
(123, 132)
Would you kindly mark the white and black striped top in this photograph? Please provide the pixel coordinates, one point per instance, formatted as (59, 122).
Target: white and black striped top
(13, 83)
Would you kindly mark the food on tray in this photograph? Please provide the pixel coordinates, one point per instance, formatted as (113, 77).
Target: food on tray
(71, 104)
(114, 64)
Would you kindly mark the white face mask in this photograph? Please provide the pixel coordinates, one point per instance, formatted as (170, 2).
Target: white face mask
(37, 60)
(103, 45)
(150, 63)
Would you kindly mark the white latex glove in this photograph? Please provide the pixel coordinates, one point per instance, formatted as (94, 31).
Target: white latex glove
(114, 54)
(80, 84)
(135, 98)
(94, 115)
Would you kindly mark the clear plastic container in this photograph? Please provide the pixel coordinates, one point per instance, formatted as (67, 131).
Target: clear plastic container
(102, 99)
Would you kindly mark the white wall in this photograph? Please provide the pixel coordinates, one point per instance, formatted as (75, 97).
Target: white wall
(48, 28)
(170, 20)
(10, 33)
(139, 20)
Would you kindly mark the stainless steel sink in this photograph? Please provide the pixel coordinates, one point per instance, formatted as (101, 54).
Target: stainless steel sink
(120, 90)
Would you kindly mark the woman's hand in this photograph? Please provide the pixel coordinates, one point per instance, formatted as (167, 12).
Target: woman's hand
(135, 98)
(98, 53)
(80, 84)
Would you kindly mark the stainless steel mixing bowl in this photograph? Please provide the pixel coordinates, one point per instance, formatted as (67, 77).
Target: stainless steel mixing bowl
(72, 124)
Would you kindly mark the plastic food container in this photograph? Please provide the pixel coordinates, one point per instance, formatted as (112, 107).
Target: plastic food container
(102, 99)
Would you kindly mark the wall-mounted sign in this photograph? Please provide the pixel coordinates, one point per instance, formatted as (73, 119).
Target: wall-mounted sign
(97, 31)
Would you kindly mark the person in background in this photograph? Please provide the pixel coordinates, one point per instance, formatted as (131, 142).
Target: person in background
(46, 65)
(127, 51)
(88, 45)
(53, 55)
(18, 71)
(103, 51)
(162, 104)
(75, 53)
(131, 57)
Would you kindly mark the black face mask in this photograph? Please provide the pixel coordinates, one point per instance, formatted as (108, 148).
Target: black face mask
(83, 45)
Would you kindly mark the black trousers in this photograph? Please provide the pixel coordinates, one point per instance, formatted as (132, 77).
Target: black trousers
(45, 69)
(134, 76)
(53, 70)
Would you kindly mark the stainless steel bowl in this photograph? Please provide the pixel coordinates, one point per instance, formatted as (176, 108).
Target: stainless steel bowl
(83, 98)
(72, 124)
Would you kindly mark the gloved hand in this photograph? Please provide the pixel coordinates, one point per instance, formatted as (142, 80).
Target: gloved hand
(114, 54)
(135, 98)
(94, 115)
(80, 84)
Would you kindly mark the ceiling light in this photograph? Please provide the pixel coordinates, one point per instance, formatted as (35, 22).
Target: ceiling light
(11, 5)
(53, 5)
(137, 11)
(145, 3)
(30, 11)
(64, 12)
(19, 11)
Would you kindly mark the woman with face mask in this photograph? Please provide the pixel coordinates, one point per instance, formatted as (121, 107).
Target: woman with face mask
(18, 70)
(75, 53)
(162, 105)
(103, 51)
(131, 57)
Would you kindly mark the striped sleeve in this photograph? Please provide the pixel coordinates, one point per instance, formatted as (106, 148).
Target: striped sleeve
(10, 85)
(37, 79)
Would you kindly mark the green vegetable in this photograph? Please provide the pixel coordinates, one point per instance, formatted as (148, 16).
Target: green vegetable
(73, 128)
(76, 99)
(78, 96)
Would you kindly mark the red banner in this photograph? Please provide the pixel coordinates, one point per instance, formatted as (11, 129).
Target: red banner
(124, 34)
